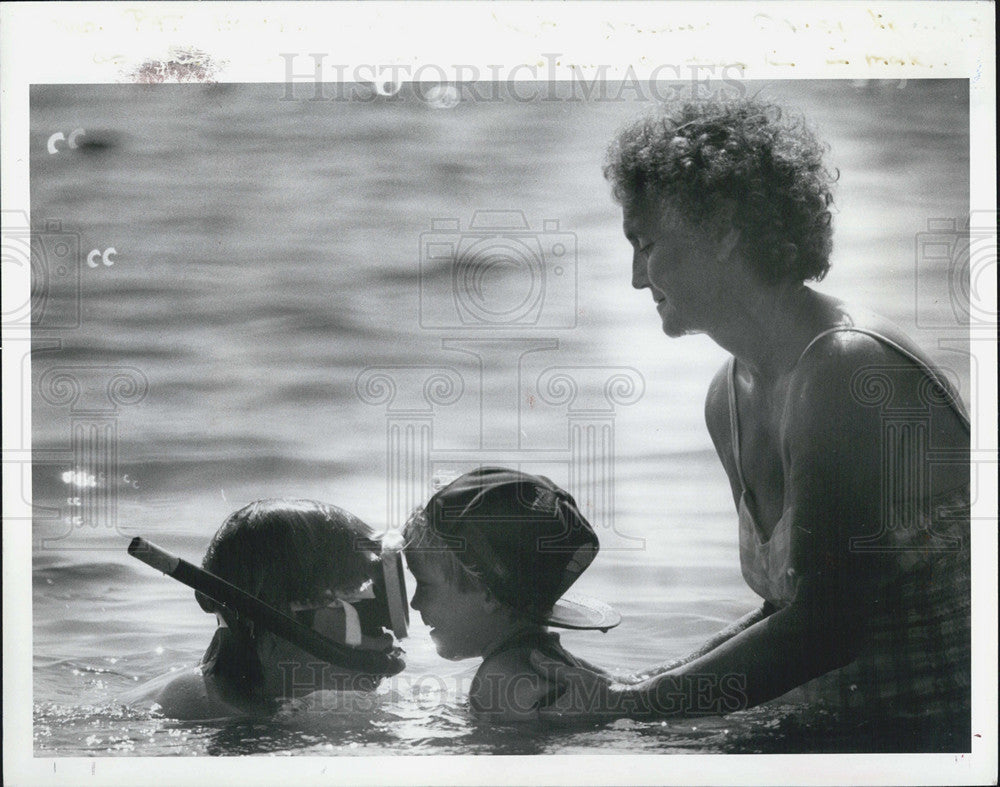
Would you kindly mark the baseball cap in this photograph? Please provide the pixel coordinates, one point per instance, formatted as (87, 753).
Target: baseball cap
(527, 540)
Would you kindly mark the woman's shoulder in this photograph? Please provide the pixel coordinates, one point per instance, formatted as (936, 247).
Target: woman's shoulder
(717, 403)
(851, 333)
(856, 347)
(850, 374)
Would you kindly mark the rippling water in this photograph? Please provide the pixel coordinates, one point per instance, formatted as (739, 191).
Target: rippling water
(269, 252)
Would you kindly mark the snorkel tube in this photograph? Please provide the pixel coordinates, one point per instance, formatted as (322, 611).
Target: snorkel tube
(384, 663)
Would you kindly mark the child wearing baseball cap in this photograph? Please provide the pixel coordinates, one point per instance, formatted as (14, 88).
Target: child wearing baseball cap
(494, 554)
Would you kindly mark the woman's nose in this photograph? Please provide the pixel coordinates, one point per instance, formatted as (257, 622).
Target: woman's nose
(639, 278)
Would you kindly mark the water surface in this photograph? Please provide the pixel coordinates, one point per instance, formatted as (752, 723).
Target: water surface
(269, 252)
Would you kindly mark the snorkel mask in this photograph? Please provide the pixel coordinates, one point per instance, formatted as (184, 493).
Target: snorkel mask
(361, 618)
(380, 604)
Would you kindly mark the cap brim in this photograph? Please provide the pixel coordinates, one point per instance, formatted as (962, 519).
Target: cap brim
(577, 611)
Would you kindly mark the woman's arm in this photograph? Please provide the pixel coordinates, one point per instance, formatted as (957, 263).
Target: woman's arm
(763, 658)
(718, 639)
(762, 662)
(833, 472)
(730, 631)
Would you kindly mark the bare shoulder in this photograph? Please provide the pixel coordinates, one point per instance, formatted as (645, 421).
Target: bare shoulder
(860, 337)
(841, 350)
(848, 380)
(874, 350)
(717, 404)
(835, 377)
(192, 696)
(505, 688)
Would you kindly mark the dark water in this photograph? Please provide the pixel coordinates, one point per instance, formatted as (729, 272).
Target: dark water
(268, 253)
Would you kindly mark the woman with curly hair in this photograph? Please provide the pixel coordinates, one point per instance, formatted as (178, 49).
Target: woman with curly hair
(822, 418)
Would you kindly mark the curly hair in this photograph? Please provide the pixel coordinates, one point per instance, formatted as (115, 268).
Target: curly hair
(701, 155)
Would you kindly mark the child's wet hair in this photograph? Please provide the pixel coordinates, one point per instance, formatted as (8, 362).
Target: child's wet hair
(284, 550)
(422, 544)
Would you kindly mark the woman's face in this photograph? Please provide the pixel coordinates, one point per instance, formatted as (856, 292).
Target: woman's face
(683, 269)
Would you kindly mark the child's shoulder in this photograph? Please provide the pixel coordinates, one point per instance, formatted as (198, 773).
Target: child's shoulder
(193, 696)
(506, 686)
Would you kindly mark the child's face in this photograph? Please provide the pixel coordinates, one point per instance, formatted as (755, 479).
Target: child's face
(463, 623)
(292, 672)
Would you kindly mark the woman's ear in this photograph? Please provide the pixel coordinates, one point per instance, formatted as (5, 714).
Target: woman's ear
(728, 242)
(490, 602)
(726, 234)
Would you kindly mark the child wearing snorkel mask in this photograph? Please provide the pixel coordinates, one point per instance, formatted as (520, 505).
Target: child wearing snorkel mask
(313, 562)
(494, 554)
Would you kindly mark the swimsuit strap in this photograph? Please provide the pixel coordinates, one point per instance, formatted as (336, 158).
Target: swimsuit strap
(941, 382)
(734, 420)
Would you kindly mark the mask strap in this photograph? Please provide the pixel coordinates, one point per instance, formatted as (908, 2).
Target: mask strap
(352, 624)
(395, 590)
(223, 625)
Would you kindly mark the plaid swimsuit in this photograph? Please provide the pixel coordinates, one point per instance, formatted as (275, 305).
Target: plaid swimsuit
(915, 659)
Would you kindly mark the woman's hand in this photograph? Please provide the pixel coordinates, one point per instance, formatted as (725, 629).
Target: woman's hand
(578, 694)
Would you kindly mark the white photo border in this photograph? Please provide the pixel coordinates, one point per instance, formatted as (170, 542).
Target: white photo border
(103, 42)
